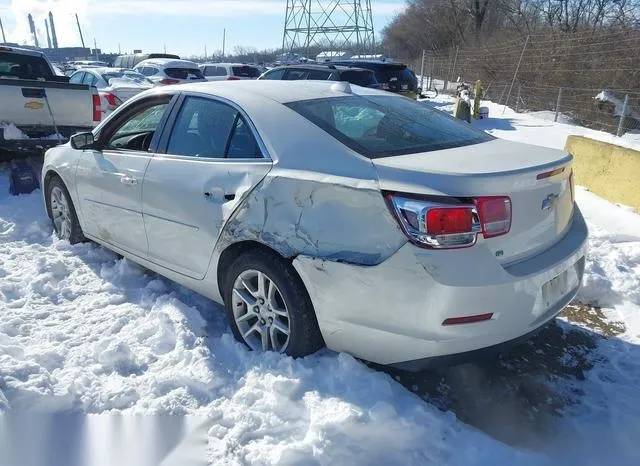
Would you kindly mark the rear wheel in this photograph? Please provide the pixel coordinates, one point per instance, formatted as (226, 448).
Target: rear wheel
(62, 212)
(268, 306)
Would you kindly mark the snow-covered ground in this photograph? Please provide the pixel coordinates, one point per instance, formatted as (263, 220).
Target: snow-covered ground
(84, 331)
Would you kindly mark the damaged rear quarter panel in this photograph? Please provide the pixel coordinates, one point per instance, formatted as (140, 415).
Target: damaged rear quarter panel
(328, 217)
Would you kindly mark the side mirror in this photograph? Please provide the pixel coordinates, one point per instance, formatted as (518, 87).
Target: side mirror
(82, 141)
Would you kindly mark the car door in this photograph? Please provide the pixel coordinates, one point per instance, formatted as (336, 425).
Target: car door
(211, 156)
(109, 177)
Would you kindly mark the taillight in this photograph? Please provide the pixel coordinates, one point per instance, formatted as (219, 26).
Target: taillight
(233, 78)
(97, 108)
(449, 221)
(442, 223)
(495, 215)
(169, 81)
(112, 100)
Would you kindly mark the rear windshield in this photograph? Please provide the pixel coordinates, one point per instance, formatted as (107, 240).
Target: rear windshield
(126, 75)
(14, 65)
(245, 71)
(384, 126)
(183, 73)
(359, 77)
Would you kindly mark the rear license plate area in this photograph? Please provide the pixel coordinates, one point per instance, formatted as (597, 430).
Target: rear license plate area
(555, 289)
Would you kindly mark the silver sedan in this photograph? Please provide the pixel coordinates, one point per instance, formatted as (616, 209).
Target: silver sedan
(321, 213)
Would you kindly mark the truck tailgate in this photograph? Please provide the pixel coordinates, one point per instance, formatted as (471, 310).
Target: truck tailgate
(23, 103)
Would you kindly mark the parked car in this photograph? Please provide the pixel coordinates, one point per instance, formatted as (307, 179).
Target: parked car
(328, 72)
(115, 85)
(169, 71)
(38, 108)
(131, 60)
(89, 63)
(393, 77)
(321, 213)
(229, 71)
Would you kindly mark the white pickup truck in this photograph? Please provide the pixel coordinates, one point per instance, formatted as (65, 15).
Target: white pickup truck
(39, 109)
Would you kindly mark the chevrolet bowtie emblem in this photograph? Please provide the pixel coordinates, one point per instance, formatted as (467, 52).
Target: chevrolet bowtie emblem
(33, 105)
(550, 201)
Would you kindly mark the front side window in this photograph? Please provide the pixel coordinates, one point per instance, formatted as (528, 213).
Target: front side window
(384, 126)
(136, 132)
(294, 75)
(275, 74)
(77, 78)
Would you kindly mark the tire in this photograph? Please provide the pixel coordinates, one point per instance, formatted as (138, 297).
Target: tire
(290, 295)
(62, 212)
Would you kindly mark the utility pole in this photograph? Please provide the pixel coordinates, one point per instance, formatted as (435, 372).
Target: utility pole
(224, 39)
(422, 73)
(80, 31)
(205, 52)
(4, 38)
(95, 49)
(119, 48)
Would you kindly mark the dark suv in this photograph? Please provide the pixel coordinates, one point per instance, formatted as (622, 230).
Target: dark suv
(330, 72)
(394, 77)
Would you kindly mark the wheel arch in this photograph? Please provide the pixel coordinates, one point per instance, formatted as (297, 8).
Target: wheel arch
(234, 250)
(46, 179)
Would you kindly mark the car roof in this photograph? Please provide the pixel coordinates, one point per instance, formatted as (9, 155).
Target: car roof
(168, 63)
(226, 64)
(278, 91)
(108, 69)
(322, 66)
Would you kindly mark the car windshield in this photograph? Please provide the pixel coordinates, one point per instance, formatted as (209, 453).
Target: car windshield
(359, 77)
(183, 73)
(126, 75)
(15, 65)
(246, 71)
(383, 126)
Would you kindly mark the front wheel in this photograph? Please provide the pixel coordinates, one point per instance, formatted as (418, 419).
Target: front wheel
(62, 212)
(268, 306)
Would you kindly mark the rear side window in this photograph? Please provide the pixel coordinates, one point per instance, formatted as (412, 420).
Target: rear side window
(77, 78)
(358, 77)
(183, 73)
(384, 126)
(319, 75)
(245, 71)
(23, 66)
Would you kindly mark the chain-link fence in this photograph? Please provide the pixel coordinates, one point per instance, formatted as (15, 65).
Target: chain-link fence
(589, 79)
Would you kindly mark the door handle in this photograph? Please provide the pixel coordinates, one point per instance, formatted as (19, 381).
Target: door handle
(218, 195)
(128, 180)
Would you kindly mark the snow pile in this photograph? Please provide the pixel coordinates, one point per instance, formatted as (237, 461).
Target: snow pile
(83, 330)
(534, 128)
(12, 132)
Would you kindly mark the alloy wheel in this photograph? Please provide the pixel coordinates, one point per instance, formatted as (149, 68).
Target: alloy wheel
(260, 312)
(60, 212)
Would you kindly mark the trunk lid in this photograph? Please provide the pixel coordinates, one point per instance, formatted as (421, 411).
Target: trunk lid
(541, 208)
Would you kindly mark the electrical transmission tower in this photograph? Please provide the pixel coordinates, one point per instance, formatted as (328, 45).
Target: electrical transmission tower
(335, 25)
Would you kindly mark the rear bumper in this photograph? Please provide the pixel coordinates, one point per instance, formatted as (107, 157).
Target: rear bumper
(392, 313)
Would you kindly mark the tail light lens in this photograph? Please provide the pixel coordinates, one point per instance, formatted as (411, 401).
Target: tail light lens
(97, 108)
(495, 215)
(167, 81)
(112, 100)
(444, 223)
(233, 78)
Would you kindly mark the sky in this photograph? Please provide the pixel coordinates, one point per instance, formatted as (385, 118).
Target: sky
(184, 27)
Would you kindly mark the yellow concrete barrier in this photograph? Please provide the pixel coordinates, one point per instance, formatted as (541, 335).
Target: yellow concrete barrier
(612, 172)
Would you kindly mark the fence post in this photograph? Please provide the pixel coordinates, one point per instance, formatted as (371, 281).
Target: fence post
(453, 70)
(518, 98)
(422, 73)
(624, 114)
(558, 101)
(431, 72)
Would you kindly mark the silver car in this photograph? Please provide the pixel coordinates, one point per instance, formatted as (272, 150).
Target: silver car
(322, 213)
